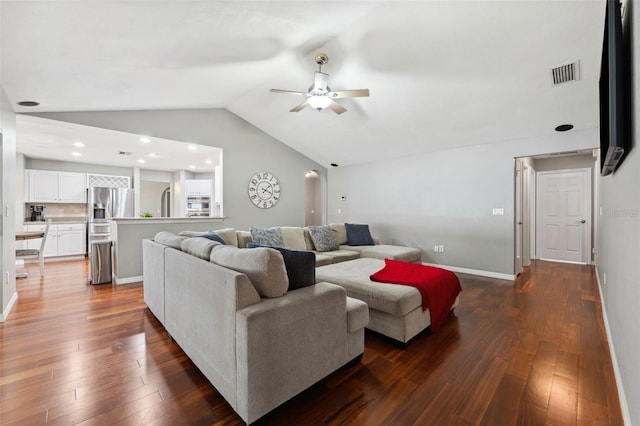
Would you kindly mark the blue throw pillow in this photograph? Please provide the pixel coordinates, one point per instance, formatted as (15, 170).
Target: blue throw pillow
(213, 236)
(324, 238)
(300, 265)
(271, 237)
(358, 235)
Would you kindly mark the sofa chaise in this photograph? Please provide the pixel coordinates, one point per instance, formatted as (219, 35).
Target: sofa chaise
(394, 310)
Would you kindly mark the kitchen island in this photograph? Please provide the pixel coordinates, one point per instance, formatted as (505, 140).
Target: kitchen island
(127, 235)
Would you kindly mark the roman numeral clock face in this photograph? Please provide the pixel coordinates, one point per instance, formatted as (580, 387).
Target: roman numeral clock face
(264, 190)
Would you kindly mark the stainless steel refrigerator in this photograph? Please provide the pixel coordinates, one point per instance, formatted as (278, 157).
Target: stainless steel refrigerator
(104, 204)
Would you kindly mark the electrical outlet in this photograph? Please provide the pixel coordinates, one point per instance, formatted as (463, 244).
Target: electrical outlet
(441, 249)
(435, 248)
(498, 211)
(339, 211)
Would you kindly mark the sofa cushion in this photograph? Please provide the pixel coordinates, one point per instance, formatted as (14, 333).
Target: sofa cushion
(324, 238)
(244, 238)
(341, 255)
(169, 239)
(199, 247)
(213, 236)
(301, 266)
(229, 235)
(271, 237)
(307, 239)
(341, 232)
(358, 235)
(407, 254)
(293, 237)
(264, 267)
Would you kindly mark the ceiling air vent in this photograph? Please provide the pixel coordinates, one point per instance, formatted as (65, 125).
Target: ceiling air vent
(125, 153)
(565, 73)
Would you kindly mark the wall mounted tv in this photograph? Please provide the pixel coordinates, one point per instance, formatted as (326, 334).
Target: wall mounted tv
(614, 91)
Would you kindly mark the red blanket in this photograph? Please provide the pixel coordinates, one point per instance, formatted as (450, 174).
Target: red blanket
(438, 287)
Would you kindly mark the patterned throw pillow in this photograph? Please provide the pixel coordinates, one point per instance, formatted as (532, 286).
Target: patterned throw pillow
(267, 237)
(323, 238)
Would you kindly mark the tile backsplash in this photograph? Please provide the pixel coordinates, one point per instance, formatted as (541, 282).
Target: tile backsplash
(53, 210)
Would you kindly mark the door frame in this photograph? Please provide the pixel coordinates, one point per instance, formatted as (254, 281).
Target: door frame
(586, 255)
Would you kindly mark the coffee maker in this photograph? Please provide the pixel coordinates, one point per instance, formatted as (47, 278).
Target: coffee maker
(37, 213)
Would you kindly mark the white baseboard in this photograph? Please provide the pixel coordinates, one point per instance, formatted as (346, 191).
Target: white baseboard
(626, 416)
(5, 312)
(479, 272)
(128, 280)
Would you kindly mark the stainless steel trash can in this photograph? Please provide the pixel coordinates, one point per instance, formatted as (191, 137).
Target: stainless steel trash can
(100, 262)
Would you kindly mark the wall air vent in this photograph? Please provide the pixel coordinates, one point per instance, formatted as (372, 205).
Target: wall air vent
(565, 73)
(125, 153)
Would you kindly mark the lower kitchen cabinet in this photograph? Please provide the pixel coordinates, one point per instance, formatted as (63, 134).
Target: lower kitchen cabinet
(64, 239)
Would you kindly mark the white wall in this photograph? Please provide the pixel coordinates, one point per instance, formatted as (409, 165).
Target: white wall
(618, 246)
(247, 150)
(445, 198)
(8, 213)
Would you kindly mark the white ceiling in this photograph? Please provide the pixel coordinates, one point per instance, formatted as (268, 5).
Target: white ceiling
(442, 74)
(56, 140)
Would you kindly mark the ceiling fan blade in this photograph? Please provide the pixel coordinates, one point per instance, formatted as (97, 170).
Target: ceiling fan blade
(336, 107)
(320, 80)
(358, 93)
(299, 107)
(290, 92)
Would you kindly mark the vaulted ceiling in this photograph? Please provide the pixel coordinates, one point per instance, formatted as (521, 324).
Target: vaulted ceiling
(442, 74)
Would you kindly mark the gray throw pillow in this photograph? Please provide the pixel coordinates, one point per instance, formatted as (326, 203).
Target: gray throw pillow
(324, 238)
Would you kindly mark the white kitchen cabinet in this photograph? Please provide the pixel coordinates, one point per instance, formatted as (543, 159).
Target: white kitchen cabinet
(64, 239)
(44, 186)
(198, 187)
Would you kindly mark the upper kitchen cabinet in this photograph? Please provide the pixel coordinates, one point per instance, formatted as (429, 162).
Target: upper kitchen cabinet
(44, 186)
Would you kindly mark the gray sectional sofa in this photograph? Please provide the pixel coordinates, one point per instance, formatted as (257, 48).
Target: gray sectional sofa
(299, 238)
(257, 342)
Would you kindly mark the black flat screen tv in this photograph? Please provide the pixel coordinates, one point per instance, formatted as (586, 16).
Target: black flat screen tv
(614, 91)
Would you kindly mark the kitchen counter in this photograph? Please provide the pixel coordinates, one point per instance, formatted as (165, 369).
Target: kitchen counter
(68, 219)
(127, 235)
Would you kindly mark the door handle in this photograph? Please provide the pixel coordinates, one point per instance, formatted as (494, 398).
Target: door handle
(582, 221)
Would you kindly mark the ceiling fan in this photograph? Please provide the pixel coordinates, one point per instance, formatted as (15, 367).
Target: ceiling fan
(320, 95)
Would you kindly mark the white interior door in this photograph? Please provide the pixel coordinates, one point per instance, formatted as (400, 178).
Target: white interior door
(564, 215)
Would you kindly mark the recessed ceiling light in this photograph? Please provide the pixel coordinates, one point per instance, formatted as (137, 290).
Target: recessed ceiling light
(141, 161)
(78, 144)
(564, 127)
(192, 147)
(76, 154)
(152, 154)
(192, 166)
(145, 139)
(29, 103)
(208, 161)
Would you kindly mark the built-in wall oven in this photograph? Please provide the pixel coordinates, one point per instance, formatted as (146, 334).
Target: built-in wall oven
(198, 206)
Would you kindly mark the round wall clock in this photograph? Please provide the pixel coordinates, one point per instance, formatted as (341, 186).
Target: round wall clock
(264, 190)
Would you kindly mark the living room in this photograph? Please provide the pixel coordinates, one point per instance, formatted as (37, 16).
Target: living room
(441, 195)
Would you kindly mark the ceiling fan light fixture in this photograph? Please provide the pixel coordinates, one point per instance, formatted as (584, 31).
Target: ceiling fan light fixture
(319, 102)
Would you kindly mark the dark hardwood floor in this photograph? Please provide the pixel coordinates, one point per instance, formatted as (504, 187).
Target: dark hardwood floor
(533, 352)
